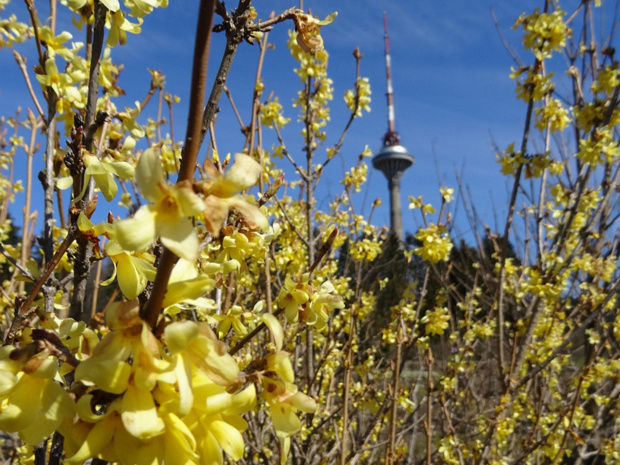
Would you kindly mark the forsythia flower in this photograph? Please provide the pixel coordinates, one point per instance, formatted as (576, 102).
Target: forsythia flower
(436, 244)
(167, 215)
(309, 30)
(416, 202)
(172, 402)
(600, 147)
(534, 86)
(32, 403)
(128, 117)
(231, 319)
(436, 321)
(447, 193)
(119, 29)
(292, 296)
(552, 115)
(301, 301)
(53, 78)
(102, 171)
(282, 395)
(271, 114)
(359, 99)
(132, 269)
(607, 80)
(544, 32)
(222, 194)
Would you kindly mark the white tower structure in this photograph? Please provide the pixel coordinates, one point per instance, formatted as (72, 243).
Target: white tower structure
(393, 159)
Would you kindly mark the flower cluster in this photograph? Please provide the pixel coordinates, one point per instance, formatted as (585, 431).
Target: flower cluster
(544, 32)
(304, 303)
(436, 244)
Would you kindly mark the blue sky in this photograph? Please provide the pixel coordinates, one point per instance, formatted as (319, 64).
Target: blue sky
(453, 95)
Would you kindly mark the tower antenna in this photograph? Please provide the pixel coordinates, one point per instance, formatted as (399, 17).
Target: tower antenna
(391, 136)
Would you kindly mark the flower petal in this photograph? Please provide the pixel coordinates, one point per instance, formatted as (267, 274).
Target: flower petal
(180, 237)
(96, 441)
(275, 328)
(130, 282)
(111, 5)
(139, 414)
(178, 335)
(187, 199)
(285, 422)
(229, 438)
(138, 232)
(190, 289)
(244, 172)
(149, 174)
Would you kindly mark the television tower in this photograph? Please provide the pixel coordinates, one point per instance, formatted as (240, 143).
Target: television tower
(393, 159)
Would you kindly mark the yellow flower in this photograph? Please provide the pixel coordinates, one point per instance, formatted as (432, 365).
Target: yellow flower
(54, 44)
(166, 217)
(544, 32)
(103, 173)
(128, 117)
(358, 100)
(283, 396)
(119, 28)
(232, 319)
(222, 194)
(141, 8)
(600, 147)
(447, 193)
(436, 321)
(54, 79)
(174, 402)
(132, 270)
(271, 114)
(552, 115)
(32, 403)
(309, 30)
(321, 302)
(186, 284)
(436, 244)
(292, 296)
(108, 368)
(215, 419)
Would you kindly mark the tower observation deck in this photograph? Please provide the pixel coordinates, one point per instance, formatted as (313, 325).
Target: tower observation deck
(393, 159)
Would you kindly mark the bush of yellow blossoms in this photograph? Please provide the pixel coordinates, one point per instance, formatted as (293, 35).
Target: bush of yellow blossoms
(242, 324)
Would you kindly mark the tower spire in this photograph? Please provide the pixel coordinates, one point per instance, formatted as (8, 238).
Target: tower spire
(393, 159)
(391, 136)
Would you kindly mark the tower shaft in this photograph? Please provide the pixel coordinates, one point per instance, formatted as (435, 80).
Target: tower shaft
(396, 219)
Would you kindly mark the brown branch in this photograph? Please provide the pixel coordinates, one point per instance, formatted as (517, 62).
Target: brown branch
(348, 363)
(389, 454)
(92, 122)
(55, 345)
(23, 308)
(428, 425)
(233, 38)
(193, 139)
(34, 20)
(257, 93)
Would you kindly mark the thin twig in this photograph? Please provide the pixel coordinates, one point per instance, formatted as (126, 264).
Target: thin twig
(24, 307)
(22, 67)
(16, 264)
